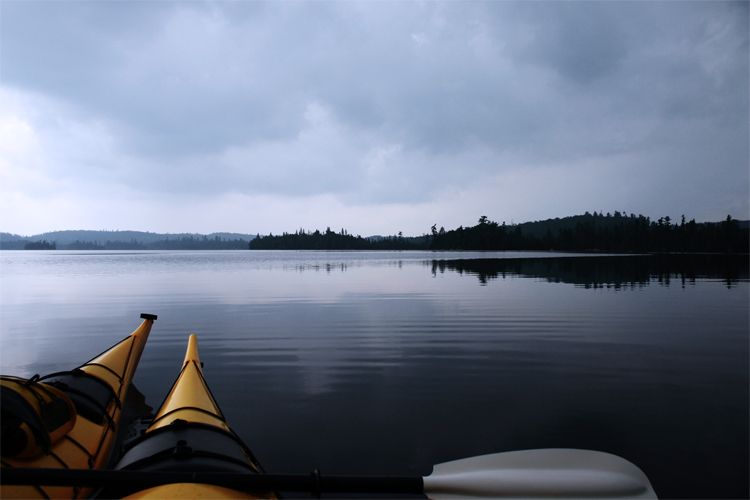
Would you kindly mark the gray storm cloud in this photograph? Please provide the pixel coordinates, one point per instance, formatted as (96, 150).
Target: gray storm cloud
(378, 103)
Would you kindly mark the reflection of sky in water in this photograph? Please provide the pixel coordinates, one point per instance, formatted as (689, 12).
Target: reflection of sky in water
(317, 357)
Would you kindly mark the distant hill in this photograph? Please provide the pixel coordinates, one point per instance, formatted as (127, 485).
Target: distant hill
(11, 237)
(66, 237)
(539, 229)
(591, 232)
(128, 240)
(597, 232)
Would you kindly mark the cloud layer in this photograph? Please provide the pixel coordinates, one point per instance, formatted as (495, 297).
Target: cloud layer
(379, 117)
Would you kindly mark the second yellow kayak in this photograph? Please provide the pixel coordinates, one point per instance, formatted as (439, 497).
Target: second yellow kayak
(188, 433)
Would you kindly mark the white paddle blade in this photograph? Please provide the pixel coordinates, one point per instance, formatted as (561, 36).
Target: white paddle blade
(546, 473)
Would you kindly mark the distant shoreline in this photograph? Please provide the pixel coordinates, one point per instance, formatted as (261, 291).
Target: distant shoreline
(592, 233)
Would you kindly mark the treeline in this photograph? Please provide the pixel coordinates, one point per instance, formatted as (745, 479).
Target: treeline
(595, 232)
(330, 240)
(202, 243)
(598, 232)
(39, 245)
(79, 239)
(183, 243)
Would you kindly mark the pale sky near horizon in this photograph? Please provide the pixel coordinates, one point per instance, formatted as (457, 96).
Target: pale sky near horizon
(377, 117)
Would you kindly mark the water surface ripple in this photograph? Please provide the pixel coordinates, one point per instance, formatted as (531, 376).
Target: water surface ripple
(389, 362)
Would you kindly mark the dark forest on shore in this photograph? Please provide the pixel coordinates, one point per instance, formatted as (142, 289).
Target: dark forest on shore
(588, 232)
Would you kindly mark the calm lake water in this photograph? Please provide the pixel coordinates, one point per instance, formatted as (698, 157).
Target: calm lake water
(389, 362)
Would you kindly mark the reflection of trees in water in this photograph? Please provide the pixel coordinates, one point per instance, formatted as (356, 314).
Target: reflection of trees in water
(609, 272)
(327, 267)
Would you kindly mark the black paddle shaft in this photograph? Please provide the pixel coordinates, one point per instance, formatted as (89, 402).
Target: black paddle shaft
(313, 483)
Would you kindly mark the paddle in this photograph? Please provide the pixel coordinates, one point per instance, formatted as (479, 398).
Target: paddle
(558, 473)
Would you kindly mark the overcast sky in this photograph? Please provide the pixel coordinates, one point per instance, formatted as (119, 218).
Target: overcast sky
(375, 116)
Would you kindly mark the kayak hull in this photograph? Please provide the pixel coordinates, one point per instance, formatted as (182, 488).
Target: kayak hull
(188, 490)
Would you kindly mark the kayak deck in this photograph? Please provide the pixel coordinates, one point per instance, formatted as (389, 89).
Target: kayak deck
(190, 399)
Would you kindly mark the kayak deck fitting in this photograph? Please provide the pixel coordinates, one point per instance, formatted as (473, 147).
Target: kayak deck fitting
(68, 420)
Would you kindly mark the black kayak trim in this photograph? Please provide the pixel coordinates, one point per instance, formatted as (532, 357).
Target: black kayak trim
(184, 446)
(313, 483)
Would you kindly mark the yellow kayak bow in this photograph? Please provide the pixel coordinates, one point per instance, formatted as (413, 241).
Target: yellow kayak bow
(68, 420)
(188, 433)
